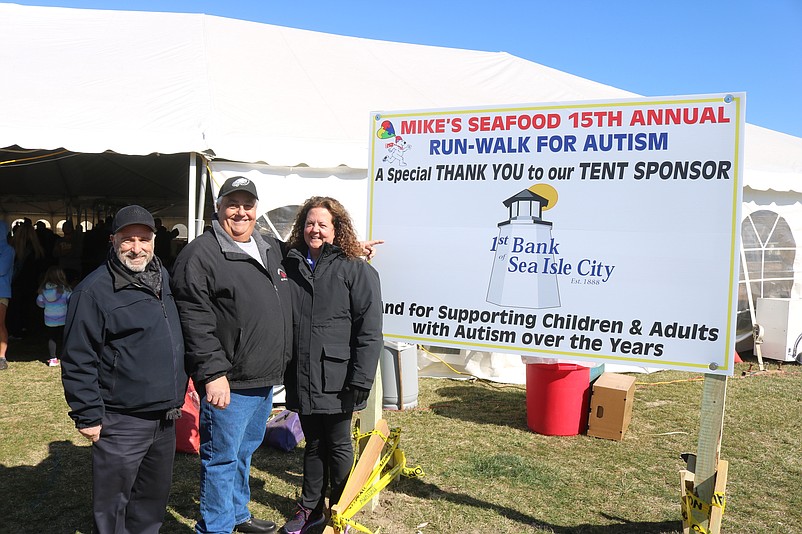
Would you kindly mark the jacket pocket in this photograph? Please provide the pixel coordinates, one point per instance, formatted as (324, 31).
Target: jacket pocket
(113, 371)
(336, 360)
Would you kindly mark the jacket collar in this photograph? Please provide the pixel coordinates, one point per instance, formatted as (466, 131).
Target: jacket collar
(122, 277)
(328, 253)
(230, 247)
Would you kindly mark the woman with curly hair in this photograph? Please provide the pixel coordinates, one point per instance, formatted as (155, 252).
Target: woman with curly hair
(337, 340)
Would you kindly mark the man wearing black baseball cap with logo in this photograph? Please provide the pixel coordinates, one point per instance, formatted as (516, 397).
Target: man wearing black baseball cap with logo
(124, 379)
(234, 300)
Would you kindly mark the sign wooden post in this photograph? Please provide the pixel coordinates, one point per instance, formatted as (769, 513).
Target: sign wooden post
(362, 470)
(369, 418)
(711, 426)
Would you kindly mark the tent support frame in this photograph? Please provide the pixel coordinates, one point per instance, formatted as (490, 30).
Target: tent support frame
(196, 195)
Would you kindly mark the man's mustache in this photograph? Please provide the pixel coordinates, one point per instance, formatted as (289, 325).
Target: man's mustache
(134, 255)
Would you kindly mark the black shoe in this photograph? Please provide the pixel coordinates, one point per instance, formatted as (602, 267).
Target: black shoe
(256, 525)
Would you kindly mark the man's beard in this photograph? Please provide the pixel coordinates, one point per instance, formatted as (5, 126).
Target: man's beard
(127, 259)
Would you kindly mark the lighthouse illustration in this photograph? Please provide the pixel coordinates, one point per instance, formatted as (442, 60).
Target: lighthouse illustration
(521, 275)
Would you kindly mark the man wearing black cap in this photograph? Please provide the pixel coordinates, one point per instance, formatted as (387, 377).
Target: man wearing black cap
(124, 379)
(234, 299)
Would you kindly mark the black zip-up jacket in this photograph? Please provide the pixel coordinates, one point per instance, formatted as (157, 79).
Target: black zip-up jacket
(236, 314)
(123, 349)
(337, 316)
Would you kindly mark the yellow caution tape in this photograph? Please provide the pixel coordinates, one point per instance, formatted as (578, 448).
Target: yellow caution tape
(695, 511)
(719, 501)
(378, 479)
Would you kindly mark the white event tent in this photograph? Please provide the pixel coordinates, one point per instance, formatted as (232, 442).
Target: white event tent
(101, 108)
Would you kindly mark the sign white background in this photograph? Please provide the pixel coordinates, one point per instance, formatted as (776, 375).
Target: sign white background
(672, 243)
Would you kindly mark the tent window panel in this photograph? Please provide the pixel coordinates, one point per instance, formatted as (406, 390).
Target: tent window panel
(769, 252)
(781, 237)
(764, 221)
(757, 290)
(778, 289)
(754, 259)
(278, 222)
(778, 265)
(754, 263)
(776, 268)
(744, 321)
(779, 254)
(182, 230)
(749, 236)
(743, 299)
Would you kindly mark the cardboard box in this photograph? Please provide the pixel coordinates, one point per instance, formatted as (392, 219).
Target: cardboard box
(611, 406)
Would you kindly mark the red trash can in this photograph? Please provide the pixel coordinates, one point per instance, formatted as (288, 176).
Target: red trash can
(557, 398)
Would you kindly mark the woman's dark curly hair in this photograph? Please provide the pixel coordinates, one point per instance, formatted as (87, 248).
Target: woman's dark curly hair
(344, 233)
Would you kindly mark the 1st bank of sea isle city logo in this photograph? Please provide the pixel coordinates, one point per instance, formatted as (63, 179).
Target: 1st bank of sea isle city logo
(527, 260)
(524, 273)
(528, 263)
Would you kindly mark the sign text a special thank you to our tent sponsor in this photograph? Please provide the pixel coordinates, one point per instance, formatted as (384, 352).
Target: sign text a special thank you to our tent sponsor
(602, 231)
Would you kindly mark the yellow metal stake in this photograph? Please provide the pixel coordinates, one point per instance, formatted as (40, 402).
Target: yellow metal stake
(370, 475)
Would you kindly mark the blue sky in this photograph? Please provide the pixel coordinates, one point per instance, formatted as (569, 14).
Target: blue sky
(648, 47)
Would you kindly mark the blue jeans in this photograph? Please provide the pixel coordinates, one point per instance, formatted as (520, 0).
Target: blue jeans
(229, 438)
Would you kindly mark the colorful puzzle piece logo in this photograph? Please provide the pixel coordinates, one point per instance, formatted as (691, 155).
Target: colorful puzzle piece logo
(386, 131)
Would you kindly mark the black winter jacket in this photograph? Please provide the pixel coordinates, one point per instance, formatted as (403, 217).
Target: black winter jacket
(236, 314)
(123, 349)
(337, 327)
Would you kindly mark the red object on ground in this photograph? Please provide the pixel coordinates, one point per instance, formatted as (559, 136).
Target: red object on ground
(738, 358)
(557, 398)
(187, 434)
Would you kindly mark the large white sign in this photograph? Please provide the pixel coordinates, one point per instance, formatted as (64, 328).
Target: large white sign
(603, 231)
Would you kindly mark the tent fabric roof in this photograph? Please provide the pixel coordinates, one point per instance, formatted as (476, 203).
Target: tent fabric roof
(773, 160)
(141, 83)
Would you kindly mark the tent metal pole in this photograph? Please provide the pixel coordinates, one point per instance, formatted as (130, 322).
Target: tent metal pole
(192, 231)
(201, 197)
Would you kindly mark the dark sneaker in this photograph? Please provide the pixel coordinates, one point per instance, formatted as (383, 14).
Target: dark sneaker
(256, 525)
(3, 364)
(315, 520)
(305, 519)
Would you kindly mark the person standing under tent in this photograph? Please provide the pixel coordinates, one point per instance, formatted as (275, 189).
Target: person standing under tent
(6, 272)
(68, 251)
(28, 267)
(164, 242)
(54, 293)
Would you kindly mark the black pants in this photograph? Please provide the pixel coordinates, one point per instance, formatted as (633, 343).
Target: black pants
(328, 457)
(132, 469)
(55, 337)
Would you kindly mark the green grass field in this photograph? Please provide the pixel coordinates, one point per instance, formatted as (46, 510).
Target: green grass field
(485, 470)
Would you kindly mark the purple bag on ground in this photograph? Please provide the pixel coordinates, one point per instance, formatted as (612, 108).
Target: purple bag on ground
(283, 431)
